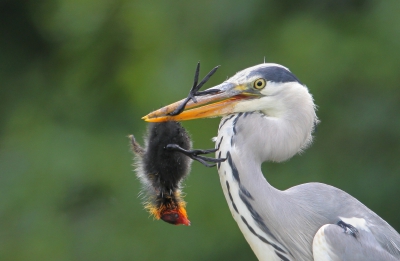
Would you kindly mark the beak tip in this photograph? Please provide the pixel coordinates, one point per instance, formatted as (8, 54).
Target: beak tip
(156, 119)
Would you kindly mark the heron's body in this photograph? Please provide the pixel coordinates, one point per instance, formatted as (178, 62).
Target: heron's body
(287, 221)
(268, 115)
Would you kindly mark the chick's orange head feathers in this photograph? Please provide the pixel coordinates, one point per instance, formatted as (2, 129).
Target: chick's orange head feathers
(176, 216)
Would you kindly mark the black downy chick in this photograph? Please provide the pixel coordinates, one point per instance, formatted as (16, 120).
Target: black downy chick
(161, 171)
(165, 162)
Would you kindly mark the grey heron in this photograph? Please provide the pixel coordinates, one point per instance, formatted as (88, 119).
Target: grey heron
(269, 115)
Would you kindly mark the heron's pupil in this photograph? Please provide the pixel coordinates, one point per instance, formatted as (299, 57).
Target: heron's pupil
(259, 83)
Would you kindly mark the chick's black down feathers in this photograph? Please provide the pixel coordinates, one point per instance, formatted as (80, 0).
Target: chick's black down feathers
(165, 167)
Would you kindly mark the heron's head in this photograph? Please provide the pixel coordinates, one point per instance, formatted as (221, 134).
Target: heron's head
(269, 88)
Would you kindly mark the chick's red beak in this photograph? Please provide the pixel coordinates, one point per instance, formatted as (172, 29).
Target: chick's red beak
(176, 216)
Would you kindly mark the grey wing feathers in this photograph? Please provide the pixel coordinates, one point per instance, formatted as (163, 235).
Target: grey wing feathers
(388, 238)
(332, 243)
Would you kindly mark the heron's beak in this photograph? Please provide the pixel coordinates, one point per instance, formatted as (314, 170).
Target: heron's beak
(208, 106)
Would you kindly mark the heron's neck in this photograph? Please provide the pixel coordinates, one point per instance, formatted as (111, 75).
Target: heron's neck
(247, 140)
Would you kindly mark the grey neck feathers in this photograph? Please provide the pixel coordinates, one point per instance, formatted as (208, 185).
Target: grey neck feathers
(259, 138)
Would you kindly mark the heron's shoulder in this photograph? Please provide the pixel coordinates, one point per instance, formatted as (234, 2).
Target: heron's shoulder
(333, 243)
(335, 204)
(314, 187)
(331, 199)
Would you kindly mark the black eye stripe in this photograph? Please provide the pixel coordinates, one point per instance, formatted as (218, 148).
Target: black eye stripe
(275, 74)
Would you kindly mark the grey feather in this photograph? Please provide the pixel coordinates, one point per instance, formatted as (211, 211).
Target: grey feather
(347, 248)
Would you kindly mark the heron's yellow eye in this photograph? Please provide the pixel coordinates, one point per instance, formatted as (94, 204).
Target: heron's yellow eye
(259, 83)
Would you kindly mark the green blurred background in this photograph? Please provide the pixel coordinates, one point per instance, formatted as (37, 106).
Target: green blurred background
(76, 76)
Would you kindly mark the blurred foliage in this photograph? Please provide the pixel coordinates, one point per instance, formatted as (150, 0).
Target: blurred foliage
(76, 76)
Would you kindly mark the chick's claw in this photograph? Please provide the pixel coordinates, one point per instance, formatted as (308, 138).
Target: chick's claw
(197, 155)
(195, 90)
